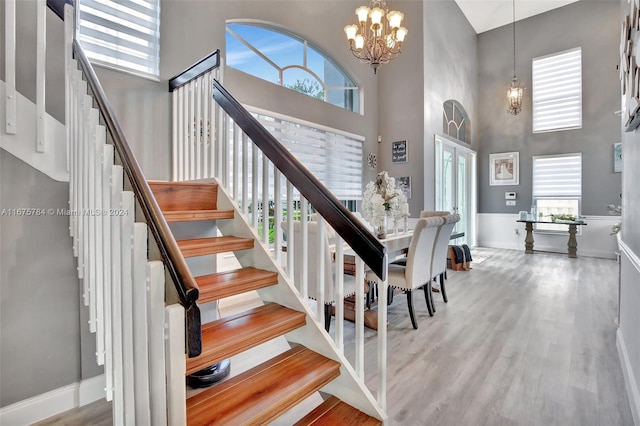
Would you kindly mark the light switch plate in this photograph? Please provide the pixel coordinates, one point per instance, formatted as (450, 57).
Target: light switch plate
(511, 202)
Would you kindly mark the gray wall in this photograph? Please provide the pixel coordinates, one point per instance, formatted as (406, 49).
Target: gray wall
(592, 25)
(40, 314)
(439, 57)
(191, 29)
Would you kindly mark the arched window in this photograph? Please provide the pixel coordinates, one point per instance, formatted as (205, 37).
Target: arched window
(455, 121)
(285, 59)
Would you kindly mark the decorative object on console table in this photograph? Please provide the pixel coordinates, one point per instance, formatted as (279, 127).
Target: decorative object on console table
(399, 151)
(504, 168)
(383, 200)
(629, 72)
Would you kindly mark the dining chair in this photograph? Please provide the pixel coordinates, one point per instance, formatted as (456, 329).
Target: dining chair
(314, 267)
(440, 253)
(431, 213)
(418, 270)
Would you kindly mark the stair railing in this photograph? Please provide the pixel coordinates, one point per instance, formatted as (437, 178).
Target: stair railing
(214, 136)
(126, 254)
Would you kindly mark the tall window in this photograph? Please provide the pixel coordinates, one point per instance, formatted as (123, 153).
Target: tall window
(334, 157)
(455, 121)
(557, 186)
(122, 34)
(557, 91)
(290, 61)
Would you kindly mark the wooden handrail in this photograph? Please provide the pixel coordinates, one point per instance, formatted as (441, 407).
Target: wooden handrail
(363, 242)
(184, 282)
(206, 64)
(57, 6)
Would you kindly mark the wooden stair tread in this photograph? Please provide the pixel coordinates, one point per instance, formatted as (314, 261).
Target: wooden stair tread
(263, 393)
(173, 196)
(229, 336)
(213, 245)
(230, 283)
(336, 412)
(194, 215)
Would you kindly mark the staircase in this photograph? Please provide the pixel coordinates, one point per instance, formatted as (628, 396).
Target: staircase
(268, 390)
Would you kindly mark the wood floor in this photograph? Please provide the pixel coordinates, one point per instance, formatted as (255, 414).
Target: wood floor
(524, 340)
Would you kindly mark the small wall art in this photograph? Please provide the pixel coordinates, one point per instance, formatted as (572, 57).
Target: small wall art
(399, 152)
(504, 168)
(404, 183)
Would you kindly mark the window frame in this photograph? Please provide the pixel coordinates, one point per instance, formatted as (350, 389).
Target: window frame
(115, 63)
(554, 228)
(357, 98)
(535, 101)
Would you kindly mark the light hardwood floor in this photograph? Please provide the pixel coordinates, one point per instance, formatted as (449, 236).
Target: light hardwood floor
(524, 340)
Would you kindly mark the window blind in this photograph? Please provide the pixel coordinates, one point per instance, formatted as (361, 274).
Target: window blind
(123, 35)
(334, 157)
(557, 91)
(557, 176)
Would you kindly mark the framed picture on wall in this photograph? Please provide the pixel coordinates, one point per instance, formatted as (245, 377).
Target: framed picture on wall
(399, 152)
(504, 168)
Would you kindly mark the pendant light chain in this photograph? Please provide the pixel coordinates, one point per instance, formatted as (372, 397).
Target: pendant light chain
(514, 38)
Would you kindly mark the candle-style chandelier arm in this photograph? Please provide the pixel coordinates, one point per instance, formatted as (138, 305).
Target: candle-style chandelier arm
(378, 37)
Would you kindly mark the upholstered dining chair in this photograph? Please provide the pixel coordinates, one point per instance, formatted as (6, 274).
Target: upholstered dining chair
(313, 268)
(440, 253)
(431, 213)
(418, 270)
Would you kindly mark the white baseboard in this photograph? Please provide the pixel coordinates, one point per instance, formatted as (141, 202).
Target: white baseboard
(501, 230)
(54, 402)
(627, 370)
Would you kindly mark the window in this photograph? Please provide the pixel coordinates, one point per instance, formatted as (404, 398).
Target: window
(334, 157)
(455, 121)
(557, 91)
(124, 35)
(557, 187)
(290, 61)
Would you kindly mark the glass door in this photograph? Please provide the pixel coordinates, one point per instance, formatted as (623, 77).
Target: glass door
(456, 184)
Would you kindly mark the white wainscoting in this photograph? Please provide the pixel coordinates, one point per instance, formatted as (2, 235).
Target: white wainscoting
(54, 402)
(500, 230)
(628, 338)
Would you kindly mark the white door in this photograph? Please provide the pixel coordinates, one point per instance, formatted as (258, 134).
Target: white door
(456, 185)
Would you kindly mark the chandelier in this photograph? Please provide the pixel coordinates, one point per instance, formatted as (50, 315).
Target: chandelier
(380, 35)
(514, 93)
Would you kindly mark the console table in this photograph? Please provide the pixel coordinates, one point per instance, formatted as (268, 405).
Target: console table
(572, 245)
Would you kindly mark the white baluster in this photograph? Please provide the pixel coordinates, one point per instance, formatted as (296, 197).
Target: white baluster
(290, 220)
(222, 134)
(117, 182)
(304, 250)
(176, 365)
(182, 134)
(245, 174)
(10, 66)
(157, 383)
(254, 186)
(265, 199)
(69, 27)
(191, 121)
(277, 215)
(126, 229)
(174, 135)
(198, 127)
(206, 124)
(321, 273)
(213, 137)
(382, 339)
(237, 141)
(359, 367)
(107, 166)
(98, 243)
(339, 294)
(89, 218)
(140, 326)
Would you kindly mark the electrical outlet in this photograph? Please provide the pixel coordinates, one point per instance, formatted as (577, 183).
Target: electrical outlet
(511, 203)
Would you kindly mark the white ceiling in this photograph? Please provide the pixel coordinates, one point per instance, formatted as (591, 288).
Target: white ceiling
(485, 15)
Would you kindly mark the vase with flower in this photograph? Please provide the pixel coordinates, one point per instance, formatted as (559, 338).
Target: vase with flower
(383, 201)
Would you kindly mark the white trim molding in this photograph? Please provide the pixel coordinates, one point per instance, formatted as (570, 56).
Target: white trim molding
(627, 338)
(54, 402)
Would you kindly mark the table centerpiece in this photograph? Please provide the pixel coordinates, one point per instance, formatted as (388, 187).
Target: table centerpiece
(384, 200)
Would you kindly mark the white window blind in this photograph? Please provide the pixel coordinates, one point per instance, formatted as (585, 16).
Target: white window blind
(334, 157)
(557, 176)
(123, 34)
(557, 91)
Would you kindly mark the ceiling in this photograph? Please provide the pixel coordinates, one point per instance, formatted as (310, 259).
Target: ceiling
(485, 15)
